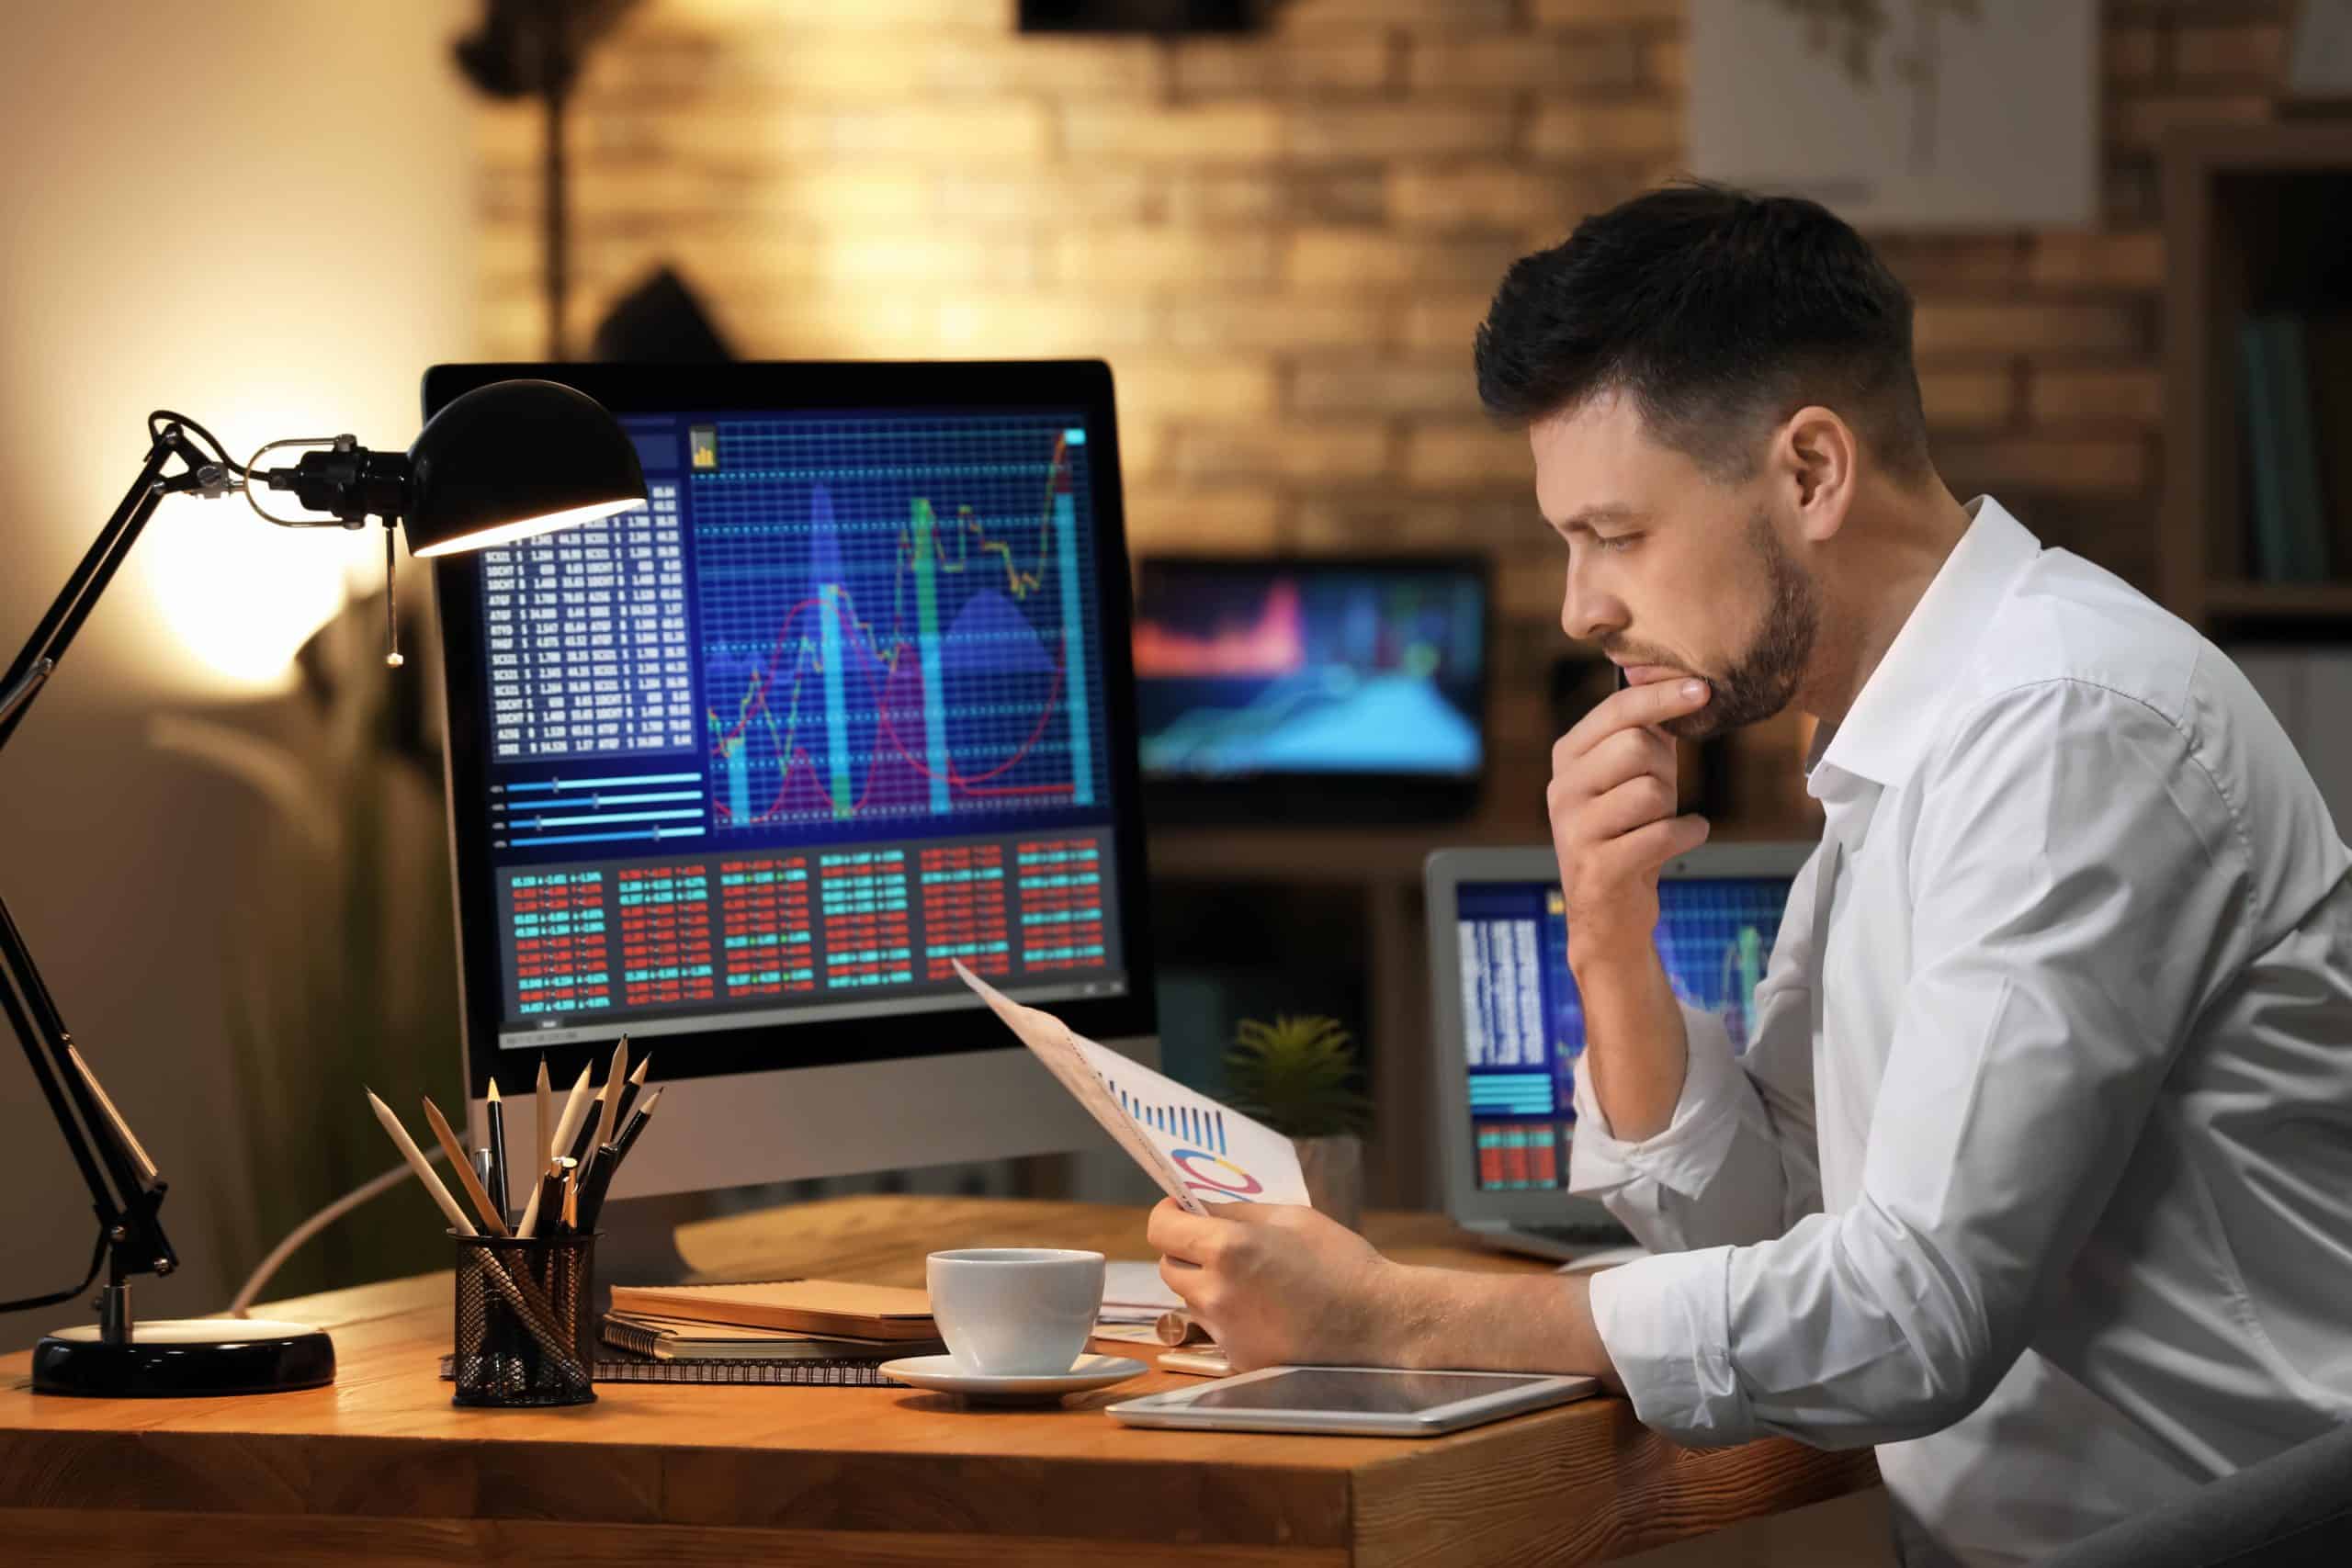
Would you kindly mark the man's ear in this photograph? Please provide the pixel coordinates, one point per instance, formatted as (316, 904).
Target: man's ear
(1818, 453)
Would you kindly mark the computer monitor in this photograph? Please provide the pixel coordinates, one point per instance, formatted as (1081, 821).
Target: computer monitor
(1509, 1024)
(741, 772)
(1323, 689)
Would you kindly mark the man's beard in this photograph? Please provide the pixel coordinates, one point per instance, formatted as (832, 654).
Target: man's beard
(1763, 679)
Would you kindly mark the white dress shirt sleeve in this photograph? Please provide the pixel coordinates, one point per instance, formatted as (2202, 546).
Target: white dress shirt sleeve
(1739, 1161)
(2077, 879)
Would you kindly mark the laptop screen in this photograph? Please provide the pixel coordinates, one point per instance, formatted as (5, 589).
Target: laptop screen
(1523, 1023)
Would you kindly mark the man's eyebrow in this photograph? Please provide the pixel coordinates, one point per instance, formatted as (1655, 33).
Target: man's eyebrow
(1587, 517)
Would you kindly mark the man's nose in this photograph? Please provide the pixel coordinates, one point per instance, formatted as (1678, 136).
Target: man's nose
(1586, 612)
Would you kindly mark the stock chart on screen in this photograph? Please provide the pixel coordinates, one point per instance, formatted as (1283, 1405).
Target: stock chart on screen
(1523, 1022)
(1326, 669)
(823, 716)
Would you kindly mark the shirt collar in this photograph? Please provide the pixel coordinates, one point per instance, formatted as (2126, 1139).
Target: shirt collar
(1895, 713)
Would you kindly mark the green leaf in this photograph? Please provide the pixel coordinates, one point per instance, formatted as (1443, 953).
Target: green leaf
(1299, 1076)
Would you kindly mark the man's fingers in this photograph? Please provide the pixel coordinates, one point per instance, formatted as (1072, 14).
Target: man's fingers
(1651, 703)
(1185, 1279)
(1248, 1214)
(1662, 840)
(1176, 1233)
(1627, 754)
(1636, 802)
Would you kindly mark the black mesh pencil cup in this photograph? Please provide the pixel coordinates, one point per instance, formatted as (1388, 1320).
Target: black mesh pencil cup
(526, 1332)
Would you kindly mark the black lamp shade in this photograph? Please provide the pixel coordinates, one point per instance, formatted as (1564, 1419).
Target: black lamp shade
(512, 459)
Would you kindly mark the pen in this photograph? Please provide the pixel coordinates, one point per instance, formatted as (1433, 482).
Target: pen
(546, 1128)
(583, 1131)
(594, 1177)
(409, 1152)
(495, 1178)
(629, 1089)
(1180, 1329)
(575, 1106)
(635, 1128)
(546, 1200)
(615, 1077)
(466, 1177)
(606, 1164)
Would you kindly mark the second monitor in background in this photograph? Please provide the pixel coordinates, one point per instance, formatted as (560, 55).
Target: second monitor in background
(1300, 691)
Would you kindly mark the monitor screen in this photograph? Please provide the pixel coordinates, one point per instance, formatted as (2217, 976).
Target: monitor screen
(1523, 1023)
(830, 713)
(1328, 668)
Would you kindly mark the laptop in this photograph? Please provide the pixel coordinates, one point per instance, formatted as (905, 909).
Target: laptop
(1510, 1026)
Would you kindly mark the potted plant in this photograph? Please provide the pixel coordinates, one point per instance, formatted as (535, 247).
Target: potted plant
(1299, 1076)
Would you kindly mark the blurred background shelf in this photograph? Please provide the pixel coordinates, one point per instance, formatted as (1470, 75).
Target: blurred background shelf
(2257, 224)
(2240, 599)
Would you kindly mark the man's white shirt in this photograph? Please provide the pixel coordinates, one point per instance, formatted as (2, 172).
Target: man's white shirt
(2037, 1171)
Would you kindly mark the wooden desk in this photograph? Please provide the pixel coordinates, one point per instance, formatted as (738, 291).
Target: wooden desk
(382, 1469)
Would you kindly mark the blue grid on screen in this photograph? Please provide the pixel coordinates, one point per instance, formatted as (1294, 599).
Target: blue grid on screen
(898, 618)
(1714, 936)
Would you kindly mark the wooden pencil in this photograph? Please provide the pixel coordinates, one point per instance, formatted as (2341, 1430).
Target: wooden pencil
(575, 1106)
(465, 1169)
(417, 1163)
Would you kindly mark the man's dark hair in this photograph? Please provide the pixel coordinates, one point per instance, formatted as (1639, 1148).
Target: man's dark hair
(1719, 313)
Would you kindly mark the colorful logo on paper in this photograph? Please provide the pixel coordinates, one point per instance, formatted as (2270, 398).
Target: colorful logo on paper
(1221, 1179)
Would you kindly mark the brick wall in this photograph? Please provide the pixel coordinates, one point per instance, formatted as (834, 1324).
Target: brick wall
(1283, 242)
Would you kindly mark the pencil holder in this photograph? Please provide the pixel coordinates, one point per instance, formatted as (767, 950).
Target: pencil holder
(526, 1332)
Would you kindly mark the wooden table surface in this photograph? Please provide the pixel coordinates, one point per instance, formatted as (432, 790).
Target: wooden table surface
(381, 1468)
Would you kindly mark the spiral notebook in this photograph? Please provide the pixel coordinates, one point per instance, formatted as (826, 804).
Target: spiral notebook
(816, 1374)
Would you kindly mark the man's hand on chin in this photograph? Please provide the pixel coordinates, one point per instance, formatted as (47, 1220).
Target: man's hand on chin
(1279, 1285)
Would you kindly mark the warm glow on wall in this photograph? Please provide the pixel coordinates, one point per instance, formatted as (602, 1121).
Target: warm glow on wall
(236, 596)
(225, 228)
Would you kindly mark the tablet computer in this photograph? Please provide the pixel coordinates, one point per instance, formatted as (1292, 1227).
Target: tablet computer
(1364, 1400)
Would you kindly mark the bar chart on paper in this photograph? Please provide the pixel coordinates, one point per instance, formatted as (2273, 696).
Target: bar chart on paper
(897, 621)
(1204, 1127)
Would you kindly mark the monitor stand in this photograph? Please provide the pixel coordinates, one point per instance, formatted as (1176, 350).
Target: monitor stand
(637, 1238)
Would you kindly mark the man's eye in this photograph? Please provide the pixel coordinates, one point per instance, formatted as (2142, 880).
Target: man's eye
(1614, 543)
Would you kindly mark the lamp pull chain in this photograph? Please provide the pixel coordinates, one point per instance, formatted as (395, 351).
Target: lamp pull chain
(392, 658)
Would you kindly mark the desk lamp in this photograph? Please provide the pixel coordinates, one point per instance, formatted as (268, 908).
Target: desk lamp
(502, 463)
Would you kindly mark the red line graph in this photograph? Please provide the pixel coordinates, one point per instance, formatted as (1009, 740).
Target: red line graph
(755, 705)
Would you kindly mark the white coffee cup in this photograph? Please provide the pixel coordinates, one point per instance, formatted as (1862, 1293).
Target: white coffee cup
(1015, 1311)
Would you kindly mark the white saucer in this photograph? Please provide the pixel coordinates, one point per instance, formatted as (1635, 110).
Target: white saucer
(942, 1375)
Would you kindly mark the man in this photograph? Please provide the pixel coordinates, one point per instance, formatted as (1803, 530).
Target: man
(2038, 1172)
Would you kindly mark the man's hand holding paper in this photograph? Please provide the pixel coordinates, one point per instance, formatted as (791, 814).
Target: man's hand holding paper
(1278, 1284)
(1198, 1151)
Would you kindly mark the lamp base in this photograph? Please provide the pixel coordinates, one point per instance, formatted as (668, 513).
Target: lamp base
(186, 1357)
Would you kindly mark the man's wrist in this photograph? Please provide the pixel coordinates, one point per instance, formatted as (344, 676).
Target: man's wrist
(1435, 1318)
(1600, 952)
(1405, 1332)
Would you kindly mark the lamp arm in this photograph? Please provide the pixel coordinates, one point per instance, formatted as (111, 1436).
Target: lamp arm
(126, 1190)
(73, 605)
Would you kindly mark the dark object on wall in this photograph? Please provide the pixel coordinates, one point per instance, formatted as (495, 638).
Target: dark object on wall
(1578, 682)
(534, 48)
(1140, 16)
(660, 322)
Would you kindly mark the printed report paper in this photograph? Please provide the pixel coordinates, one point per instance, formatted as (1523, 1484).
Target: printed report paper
(1197, 1150)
